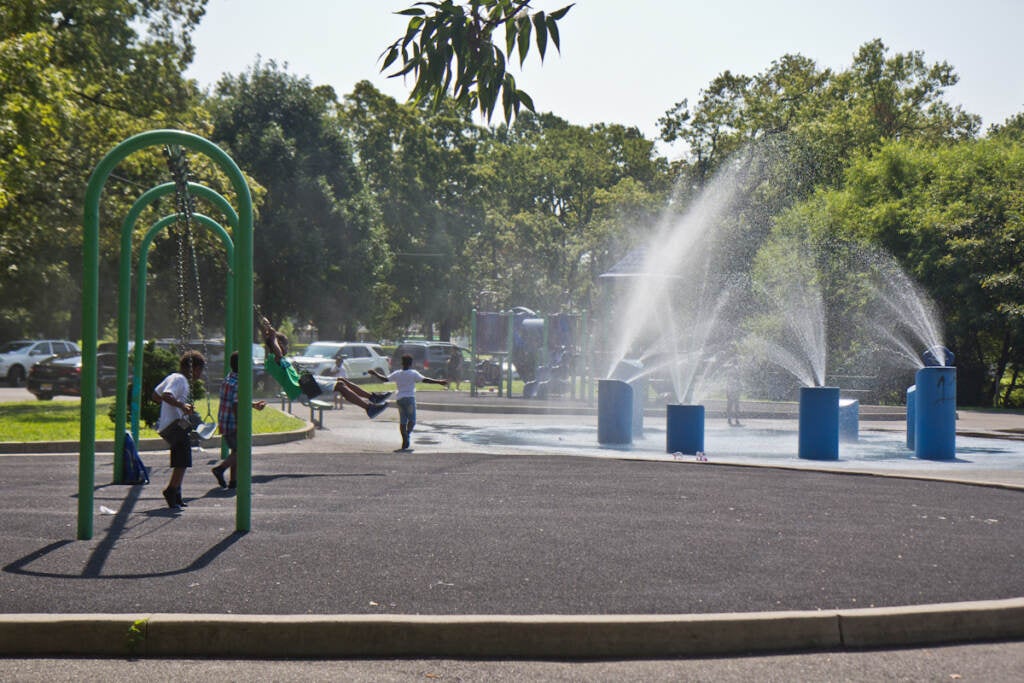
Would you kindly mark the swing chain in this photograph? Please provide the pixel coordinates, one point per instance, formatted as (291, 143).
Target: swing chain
(177, 164)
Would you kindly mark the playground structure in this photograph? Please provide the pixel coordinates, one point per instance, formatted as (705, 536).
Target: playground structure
(238, 326)
(545, 352)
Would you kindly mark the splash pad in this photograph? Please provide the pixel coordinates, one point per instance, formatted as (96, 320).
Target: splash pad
(698, 311)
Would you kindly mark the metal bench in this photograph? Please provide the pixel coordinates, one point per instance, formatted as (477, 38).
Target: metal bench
(318, 407)
(286, 403)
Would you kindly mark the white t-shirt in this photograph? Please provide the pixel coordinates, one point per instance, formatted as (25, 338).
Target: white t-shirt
(406, 381)
(175, 384)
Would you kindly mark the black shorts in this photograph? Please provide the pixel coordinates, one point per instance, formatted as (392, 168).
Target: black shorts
(181, 446)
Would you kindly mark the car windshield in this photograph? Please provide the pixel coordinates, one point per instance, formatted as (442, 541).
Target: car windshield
(317, 350)
(14, 346)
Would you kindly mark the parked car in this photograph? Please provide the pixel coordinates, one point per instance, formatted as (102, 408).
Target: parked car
(18, 357)
(430, 357)
(62, 376)
(358, 357)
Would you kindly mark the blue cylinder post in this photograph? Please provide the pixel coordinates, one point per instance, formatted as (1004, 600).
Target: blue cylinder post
(684, 429)
(849, 420)
(935, 413)
(614, 412)
(819, 423)
(639, 403)
(631, 370)
(911, 416)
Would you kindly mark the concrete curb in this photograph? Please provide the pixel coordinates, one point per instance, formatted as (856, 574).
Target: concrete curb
(147, 445)
(505, 636)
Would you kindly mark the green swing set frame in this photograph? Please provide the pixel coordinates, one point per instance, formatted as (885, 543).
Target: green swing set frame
(238, 330)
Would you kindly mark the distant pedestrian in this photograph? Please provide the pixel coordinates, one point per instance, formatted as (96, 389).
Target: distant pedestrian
(733, 384)
(338, 371)
(406, 379)
(227, 422)
(173, 394)
(453, 368)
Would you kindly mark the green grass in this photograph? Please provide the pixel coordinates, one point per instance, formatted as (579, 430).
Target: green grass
(59, 420)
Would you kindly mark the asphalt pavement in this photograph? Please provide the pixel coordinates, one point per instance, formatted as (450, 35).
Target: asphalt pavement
(467, 551)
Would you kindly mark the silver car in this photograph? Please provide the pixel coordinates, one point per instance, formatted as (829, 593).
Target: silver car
(17, 357)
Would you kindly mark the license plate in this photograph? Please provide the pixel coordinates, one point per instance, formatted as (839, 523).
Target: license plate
(45, 387)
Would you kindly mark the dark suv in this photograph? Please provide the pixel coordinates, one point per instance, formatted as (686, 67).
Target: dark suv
(429, 357)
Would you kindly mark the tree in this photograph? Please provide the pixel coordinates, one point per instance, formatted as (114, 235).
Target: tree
(827, 116)
(419, 166)
(951, 216)
(453, 48)
(317, 253)
(74, 81)
(553, 192)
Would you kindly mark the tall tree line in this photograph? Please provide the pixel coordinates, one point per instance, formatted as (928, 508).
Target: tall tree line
(397, 216)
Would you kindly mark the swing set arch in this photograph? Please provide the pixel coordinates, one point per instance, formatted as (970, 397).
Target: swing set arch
(241, 267)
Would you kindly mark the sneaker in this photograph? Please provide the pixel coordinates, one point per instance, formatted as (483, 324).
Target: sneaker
(379, 396)
(375, 409)
(219, 473)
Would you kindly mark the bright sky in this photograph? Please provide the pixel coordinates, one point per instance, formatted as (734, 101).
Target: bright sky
(628, 62)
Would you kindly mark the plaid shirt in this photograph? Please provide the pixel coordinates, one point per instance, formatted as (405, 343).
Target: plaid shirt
(227, 415)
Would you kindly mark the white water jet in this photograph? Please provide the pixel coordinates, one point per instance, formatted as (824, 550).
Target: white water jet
(662, 310)
(904, 318)
(801, 346)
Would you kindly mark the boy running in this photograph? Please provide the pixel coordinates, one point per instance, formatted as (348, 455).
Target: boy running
(406, 379)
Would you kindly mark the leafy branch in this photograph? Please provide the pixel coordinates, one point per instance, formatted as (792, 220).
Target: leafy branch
(453, 49)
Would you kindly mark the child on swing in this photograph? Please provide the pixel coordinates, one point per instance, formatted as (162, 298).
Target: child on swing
(278, 367)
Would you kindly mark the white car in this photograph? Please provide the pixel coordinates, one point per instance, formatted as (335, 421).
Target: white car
(18, 357)
(358, 358)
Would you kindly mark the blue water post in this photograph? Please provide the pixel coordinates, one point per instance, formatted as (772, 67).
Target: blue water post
(935, 413)
(819, 423)
(849, 420)
(684, 429)
(614, 412)
(911, 416)
(639, 403)
(631, 370)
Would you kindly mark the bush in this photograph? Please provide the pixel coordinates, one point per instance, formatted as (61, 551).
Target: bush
(157, 363)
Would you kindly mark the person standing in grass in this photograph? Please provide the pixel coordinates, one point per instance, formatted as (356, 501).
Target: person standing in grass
(227, 423)
(405, 380)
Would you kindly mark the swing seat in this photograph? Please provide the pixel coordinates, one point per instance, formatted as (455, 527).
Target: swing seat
(204, 430)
